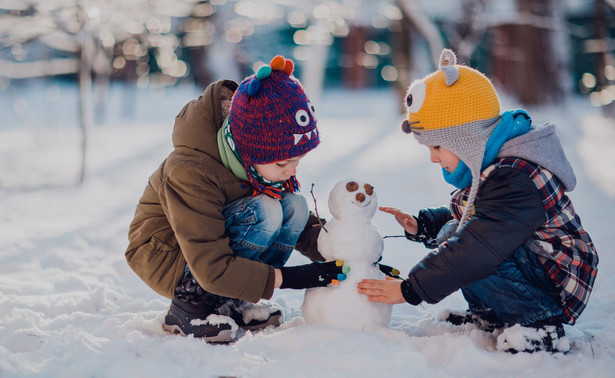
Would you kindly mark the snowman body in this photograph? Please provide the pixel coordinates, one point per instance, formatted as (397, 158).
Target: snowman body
(350, 236)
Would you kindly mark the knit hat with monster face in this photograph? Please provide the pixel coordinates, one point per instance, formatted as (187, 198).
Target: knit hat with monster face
(271, 119)
(457, 108)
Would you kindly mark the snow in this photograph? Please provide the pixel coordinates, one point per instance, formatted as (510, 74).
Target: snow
(70, 305)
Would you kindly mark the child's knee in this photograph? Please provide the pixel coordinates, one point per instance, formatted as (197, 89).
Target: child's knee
(295, 209)
(268, 213)
(294, 204)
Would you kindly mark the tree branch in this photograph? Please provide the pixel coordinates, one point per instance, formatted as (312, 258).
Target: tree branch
(316, 209)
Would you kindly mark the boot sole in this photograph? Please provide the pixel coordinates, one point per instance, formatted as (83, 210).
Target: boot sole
(273, 321)
(225, 336)
(176, 317)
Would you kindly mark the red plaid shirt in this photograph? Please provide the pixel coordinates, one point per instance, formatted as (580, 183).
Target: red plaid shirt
(563, 247)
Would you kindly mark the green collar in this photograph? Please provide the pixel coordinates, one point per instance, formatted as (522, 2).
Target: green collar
(232, 161)
(229, 156)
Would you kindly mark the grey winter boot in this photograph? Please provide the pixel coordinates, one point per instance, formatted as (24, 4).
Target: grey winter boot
(486, 322)
(547, 336)
(251, 316)
(193, 312)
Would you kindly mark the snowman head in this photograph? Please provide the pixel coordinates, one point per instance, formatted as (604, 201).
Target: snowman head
(352, 199)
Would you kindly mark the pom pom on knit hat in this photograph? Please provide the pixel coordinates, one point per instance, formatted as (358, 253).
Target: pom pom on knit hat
(457, 108)
(271, 118)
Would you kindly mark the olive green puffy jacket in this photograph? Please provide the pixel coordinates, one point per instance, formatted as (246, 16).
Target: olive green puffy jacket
(179, 217)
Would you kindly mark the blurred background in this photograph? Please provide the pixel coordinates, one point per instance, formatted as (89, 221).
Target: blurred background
(89, 90)
(96, 52)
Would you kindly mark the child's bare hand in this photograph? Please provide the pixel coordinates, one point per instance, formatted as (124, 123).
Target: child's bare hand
(406, 220)
(385, 291)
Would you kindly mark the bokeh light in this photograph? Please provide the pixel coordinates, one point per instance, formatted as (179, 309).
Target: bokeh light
(588, 80)
(389, 73)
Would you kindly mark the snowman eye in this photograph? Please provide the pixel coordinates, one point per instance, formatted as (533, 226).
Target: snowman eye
(352, 186)
(369, 189)
(416, 96)
(302, 117)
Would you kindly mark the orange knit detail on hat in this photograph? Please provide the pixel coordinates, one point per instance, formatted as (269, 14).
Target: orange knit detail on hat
(277, 63)
(289, 67)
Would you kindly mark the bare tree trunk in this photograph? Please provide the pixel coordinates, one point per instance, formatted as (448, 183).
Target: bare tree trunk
(313, 73)
(198, 58)
(415, 14)
(102, 67)
(354, 74)
(602, 57)
(224, 59)
(527, 61)
(466, 35)
(129, 89)
(85, 97)
(562, 50)
(402, 58)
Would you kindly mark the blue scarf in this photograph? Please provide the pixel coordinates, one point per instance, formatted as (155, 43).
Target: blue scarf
(512, 124)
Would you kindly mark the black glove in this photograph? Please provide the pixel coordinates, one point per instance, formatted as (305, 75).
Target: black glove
(431, 220)
(429, 223)
(316, 274)
(390, 271)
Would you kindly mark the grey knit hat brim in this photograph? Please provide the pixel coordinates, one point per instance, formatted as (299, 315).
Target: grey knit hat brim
(468, 142)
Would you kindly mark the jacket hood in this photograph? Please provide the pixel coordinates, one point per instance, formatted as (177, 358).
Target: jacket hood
(198, 122)
(542, 146)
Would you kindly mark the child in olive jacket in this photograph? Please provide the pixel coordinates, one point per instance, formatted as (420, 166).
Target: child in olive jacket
(510, 239)
(220, 217)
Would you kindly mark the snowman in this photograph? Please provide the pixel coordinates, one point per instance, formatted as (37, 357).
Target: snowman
(350, 236)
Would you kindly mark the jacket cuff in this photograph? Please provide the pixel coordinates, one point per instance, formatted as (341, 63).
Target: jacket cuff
(409, 294)
(427, 242)
(270, 285)
(413, 237)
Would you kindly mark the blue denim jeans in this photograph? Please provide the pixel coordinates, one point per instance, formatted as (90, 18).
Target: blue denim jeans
(519, 292)
(265, 229)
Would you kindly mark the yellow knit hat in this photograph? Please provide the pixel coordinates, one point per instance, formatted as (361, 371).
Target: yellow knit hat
(452, 96)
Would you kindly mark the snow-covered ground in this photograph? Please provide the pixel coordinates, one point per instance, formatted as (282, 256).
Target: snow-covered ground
(71, 307)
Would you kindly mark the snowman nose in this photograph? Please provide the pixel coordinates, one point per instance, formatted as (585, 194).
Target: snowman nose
(360, 197)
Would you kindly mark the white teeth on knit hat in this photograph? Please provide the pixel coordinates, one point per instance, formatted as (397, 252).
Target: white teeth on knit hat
(298, 137)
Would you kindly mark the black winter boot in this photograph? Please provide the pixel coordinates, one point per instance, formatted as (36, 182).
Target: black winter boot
(251, 316)
(547, 335)
(486, 322)
(193, 312)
